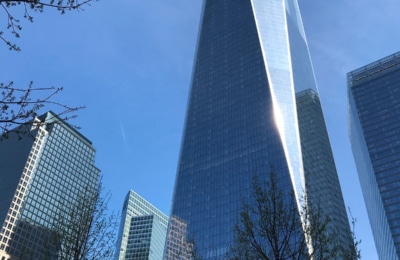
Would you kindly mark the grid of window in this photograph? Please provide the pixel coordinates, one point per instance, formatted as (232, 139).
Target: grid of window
(138, 217)
(139, 238)
(374, 93)
(242, 120)
(59, 169)
(322, 182)
(231, 132)
(10, 241)
(178, 245)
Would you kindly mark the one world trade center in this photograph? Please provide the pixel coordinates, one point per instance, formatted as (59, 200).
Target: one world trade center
(253, 106)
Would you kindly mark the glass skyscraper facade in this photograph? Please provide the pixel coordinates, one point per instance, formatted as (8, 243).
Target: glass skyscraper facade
(142, 231)
(322, 182)
(43, 172)
(374, 107)
(242, 121)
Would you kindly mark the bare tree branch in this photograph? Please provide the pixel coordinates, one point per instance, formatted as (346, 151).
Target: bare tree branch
(271, 227)
(18, 106)
(353, 252)
(84, 230)
(14, 25)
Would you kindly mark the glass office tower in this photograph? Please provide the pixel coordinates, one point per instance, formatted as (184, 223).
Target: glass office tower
(43, 172)
(322, 182)
(374, 113)
(142, 231)
(242, 121)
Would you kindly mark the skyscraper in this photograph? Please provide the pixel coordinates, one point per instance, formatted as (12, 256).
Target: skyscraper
(322, 182)
(242, 120)
(43, 172)
(142, 230)
(374, 113)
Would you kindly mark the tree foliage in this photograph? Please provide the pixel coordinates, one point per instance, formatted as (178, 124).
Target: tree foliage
(14, 26)
(271, 227)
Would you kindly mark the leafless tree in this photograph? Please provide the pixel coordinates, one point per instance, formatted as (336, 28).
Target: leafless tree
(319, 232)
(21, 105)
(271, 227)
(352, 252)
(11, 9)
(84, 230)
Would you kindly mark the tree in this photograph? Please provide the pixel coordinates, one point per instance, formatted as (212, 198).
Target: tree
(19, 106)
(353, 251)
(269, 225)
(14, 24)
(318, 232)
(272, 227)
(83, 230)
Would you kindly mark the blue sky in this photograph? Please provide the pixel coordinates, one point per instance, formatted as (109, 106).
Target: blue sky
(130, 63)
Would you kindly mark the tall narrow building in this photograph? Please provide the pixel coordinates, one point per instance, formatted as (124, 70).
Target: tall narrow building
(142, 231)
(243, 120)
(44, 172)
(374, 121)
(322, 182)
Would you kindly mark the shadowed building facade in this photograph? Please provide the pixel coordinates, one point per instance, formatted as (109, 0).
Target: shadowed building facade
(322, 182)
(43, 172)
(243, 120)
(374, 121)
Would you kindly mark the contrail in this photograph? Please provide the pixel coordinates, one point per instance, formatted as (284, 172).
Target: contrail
(123, 132)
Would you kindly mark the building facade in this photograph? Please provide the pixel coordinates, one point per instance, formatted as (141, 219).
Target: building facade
(322, 182)
(243, 120)
(374, 112)
(143, 230)
(43, 173)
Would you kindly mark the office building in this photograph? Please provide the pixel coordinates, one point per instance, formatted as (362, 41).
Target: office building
(142, 230)
(43, 173)
(243, 121)
(374, 121)
(322, 182)
(178, 245)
